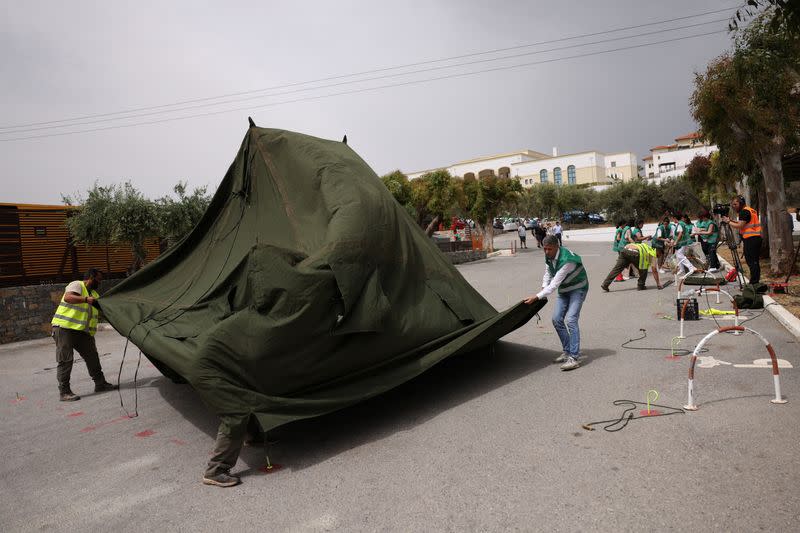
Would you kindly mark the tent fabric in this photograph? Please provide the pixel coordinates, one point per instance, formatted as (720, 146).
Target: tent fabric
(304, 288)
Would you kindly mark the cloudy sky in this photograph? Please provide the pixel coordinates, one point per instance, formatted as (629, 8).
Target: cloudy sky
(71, 67)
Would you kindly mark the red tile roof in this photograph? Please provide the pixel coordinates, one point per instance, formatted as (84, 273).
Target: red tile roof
(645, 158)
(688, 136)
(663, 147)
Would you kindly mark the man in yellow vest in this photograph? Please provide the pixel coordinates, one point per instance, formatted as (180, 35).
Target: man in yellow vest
(749, 228)
(74, 326)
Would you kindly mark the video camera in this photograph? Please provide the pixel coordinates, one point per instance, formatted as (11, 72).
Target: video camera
(721, 209)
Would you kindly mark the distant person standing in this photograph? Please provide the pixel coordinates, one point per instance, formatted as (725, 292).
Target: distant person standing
(708, 230)
(749, 228)
(74, 325)
(522, 232)
(540, 233)
(557, 231)
(564, 272)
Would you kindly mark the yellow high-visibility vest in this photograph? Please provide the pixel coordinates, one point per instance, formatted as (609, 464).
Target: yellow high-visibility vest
(80, 317)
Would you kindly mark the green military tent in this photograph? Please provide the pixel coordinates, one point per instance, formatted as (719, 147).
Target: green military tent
(303, 289)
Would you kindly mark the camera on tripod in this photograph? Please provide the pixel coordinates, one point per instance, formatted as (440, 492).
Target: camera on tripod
(721, 209)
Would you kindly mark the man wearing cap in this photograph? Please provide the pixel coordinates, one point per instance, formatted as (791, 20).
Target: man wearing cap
(74, 325)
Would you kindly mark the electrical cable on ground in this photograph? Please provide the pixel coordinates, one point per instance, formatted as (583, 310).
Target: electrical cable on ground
(649, 349)
(618, 424)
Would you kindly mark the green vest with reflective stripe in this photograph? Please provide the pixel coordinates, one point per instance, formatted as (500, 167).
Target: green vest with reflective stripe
(80, 317)
(646, 255)
(576, 279)
(634, 232)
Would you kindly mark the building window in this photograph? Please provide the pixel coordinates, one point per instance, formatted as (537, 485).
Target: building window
(613, 163)
(40, 231)
(557, 175)
(571, 175)
(543, 175)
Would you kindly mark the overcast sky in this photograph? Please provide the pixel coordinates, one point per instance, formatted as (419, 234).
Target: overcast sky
(62, 60)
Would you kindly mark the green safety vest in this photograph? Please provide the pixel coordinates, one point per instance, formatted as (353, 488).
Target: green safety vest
(617, 240)
(634, 232)
(622, 239)
(646, 255)
(712, 237)
(576, 279)
(686, 238)
(663, 230)
(80, 317)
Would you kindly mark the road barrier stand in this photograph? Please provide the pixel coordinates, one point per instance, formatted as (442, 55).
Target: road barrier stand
(776, 379)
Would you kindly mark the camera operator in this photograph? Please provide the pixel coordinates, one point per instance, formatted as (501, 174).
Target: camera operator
(708, 230)
(749, 228)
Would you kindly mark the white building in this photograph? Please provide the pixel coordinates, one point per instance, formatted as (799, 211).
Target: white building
(530, 167)
(670, 161)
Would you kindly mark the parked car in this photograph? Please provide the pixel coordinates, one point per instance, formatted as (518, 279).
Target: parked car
(498, 223)
(532, 223)
(510, 224)
(595, 218)
(575, 217)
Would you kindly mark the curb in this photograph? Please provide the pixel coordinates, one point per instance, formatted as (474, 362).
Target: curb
(786, 319)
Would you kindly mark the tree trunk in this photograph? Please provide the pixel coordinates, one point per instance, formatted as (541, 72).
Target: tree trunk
(761, 202)
(488, 236)
(780, 236)
(432, 226)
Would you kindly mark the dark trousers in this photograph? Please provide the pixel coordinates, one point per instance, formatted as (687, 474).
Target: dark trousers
(226, 449)
(626, 258)
(711, 253)
(67, 341)
(752, 251)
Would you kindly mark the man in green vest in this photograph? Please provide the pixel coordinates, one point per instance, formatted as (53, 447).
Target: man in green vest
(642, 256)
(74, 326)
(564, 272)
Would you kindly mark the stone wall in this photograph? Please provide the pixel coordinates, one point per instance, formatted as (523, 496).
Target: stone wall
(466, 256)
(27, 311)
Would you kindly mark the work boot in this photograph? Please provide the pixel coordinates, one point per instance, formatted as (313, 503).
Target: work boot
(103, 386)
(223, 479)
(66, 395)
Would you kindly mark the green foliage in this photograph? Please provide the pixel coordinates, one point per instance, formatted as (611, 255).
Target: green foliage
(178, 216)
(748, 103)
(122, 215)
(786, 13)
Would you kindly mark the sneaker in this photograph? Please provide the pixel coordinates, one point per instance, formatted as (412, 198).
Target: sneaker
(570, 364)
(68, 396)
(604, 288)
(222, 480)
(104, 386)
(712, 270)
(561, 358)
(641, 288)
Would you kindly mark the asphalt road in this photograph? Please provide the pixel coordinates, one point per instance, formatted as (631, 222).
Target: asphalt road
(487, 442)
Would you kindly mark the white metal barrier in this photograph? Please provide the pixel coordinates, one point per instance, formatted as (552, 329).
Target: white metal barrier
(691, 406)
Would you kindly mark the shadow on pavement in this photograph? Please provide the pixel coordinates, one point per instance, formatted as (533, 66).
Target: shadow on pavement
(305, 443)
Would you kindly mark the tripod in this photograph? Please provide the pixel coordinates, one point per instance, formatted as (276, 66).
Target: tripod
(730, 239)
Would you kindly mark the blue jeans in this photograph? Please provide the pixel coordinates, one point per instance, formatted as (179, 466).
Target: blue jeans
(565, 320)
